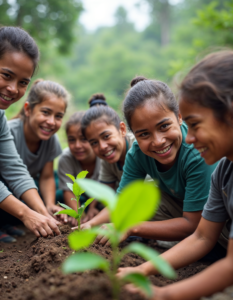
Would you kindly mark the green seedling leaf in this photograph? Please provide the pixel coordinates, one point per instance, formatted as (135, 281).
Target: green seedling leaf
(149, 254)
(88, 202)
(82, 175)
(140, 281)
(69, 212)
(101, 192)
(81, 239)
(138, 202)
(84, 261)
(1, 250)
(81, 210)
(71, 177)
(64, 205)
(70, 186)
(76, 190)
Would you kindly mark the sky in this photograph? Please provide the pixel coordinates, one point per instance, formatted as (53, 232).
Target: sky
(101, 13)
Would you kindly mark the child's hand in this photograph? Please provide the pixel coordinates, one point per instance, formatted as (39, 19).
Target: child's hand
(122, 272)
(92, 212)
(52, 209)
(158, 293)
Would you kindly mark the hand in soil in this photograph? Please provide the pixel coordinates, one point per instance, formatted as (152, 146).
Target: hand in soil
(103, 240)
(92, 212)
(86, 225)
(40, 225)
(122, 272)
(52, 209)
(158, 293)
(72, 221)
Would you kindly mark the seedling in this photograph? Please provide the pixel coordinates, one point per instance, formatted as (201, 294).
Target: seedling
(1, 250)
(137, 203)
(77, 191)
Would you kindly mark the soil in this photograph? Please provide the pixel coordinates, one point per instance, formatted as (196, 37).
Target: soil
(30, 270)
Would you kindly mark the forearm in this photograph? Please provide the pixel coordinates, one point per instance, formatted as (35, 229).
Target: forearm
(93, 204)
(48, 190)
(101, 218)
(213, 279)
(68, 195)
(33, 200)
(169, 230)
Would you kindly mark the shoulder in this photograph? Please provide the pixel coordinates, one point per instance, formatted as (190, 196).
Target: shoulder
(66, 155)
(224, 170)
(15, 125)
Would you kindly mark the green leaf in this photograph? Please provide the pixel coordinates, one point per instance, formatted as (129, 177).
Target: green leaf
(81, 210)
(1, 250)
(64, 205)
(69, 212)
(81, 239)
(149, 254)
(71, 177)
(70, 186)
(99, 191)
(76, 190)
(88, 202)
(80, 262)
(140, 281)
(82, 175)
(138, 202)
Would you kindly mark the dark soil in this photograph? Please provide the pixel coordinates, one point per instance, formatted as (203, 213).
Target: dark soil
(30, 270)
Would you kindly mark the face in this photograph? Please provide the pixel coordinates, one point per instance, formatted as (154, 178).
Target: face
(158, 133)
(45, 118)
(212, 138)
(79, 146)
(107, 141)
(16, 70)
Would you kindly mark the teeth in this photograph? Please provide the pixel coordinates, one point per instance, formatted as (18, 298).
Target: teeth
(6, 98)
(108, 153)
(47, 130)
(202, 149)
(164, 150)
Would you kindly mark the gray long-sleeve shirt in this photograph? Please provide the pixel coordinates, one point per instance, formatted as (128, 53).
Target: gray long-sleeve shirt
(12, 170)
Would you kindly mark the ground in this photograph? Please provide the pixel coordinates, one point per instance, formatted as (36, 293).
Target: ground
(30, 270)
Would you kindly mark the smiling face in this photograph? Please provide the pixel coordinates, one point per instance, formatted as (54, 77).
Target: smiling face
(16, 70)
(158, 133)
(107, 141)
(212, 138)
(79, 146)
(45, 118)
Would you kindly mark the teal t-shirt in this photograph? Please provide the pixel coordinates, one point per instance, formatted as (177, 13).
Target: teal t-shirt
(188, 180)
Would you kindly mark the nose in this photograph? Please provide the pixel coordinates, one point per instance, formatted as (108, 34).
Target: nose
(102, 145)
(158, 140)
(12, 87)
(51, 120)
(77, 144)
(190, 138)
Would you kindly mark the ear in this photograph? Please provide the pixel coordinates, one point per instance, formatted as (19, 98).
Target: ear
(123, 129)
(180, 120)
(27, 109)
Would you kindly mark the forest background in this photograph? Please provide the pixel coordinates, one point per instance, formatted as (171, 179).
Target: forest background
(106, 60)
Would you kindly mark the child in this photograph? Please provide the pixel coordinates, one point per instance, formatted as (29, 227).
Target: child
(79, 156)
(19, 57)
(34, 135)
(152, 114)
(206, 106)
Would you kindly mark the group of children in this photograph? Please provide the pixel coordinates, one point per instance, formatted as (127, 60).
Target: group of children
(186, 147)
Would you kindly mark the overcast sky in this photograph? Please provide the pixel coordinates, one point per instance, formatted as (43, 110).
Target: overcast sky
(101, 13)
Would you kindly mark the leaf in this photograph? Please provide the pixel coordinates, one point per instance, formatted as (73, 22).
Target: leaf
(70, 186)
(81, 239)
(99, 191)
(82, 175)
(80, 210)
(137, 203)
(140, 281)
(64, 205)
(71, 177)
(69, 212)
(149, 254)
(88, 202)
(76, 190)
(80, 262)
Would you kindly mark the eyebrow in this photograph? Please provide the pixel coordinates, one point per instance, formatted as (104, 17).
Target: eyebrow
(102, 133)
(51, 110)
(12, 73)
(161, 122)
(189, 117)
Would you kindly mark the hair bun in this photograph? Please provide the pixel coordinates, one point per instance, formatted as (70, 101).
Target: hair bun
(100, 97)
(37, 81)
(136, 80)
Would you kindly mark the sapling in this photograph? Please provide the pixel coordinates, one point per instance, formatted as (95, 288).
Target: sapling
(138, 202)
(77, 191)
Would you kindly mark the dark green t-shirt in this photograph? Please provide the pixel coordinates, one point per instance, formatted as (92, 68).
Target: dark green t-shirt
(188, 179)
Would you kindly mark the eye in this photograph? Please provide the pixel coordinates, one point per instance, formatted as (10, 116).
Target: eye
(106, 136)
(93, 144)
(193, 125)
(164, 126)
(71, 140)
(24, 83)
(6, 75)
(45, 112)
(144, 134)
(59, 117)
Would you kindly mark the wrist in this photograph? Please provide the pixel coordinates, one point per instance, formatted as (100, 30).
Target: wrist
(23, 212)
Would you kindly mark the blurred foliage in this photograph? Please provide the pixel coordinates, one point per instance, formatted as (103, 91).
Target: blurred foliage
(106, 60)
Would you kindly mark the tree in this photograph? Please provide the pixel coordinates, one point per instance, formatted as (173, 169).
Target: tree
(45, 20)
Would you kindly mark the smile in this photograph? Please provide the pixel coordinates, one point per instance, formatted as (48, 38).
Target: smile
(6, 98)
(108, 153)
(47, 129)
(201, 150)
(164, 150)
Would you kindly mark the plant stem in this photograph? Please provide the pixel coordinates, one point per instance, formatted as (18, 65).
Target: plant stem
(79, 224)
(114, 280)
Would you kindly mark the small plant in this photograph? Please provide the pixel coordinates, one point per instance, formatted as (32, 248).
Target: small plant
(1, 250)
(77, 191)
(137, 203)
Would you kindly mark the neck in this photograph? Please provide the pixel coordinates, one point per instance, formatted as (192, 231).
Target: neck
(32, 141)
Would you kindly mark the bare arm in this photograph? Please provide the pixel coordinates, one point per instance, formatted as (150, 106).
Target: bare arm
(47, 184)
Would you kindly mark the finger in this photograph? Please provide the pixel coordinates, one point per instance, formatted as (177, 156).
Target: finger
(75, 228)
(103, 241)
(131, 288)
(43, 232)
(36, 232)
(98, 239)
(54, 227)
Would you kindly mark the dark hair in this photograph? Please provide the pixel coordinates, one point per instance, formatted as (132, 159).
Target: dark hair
(210, 83)
(143, 89)
(74, 119)
(39, 90)
(97, 99)
(16, 39)
(104, 113)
